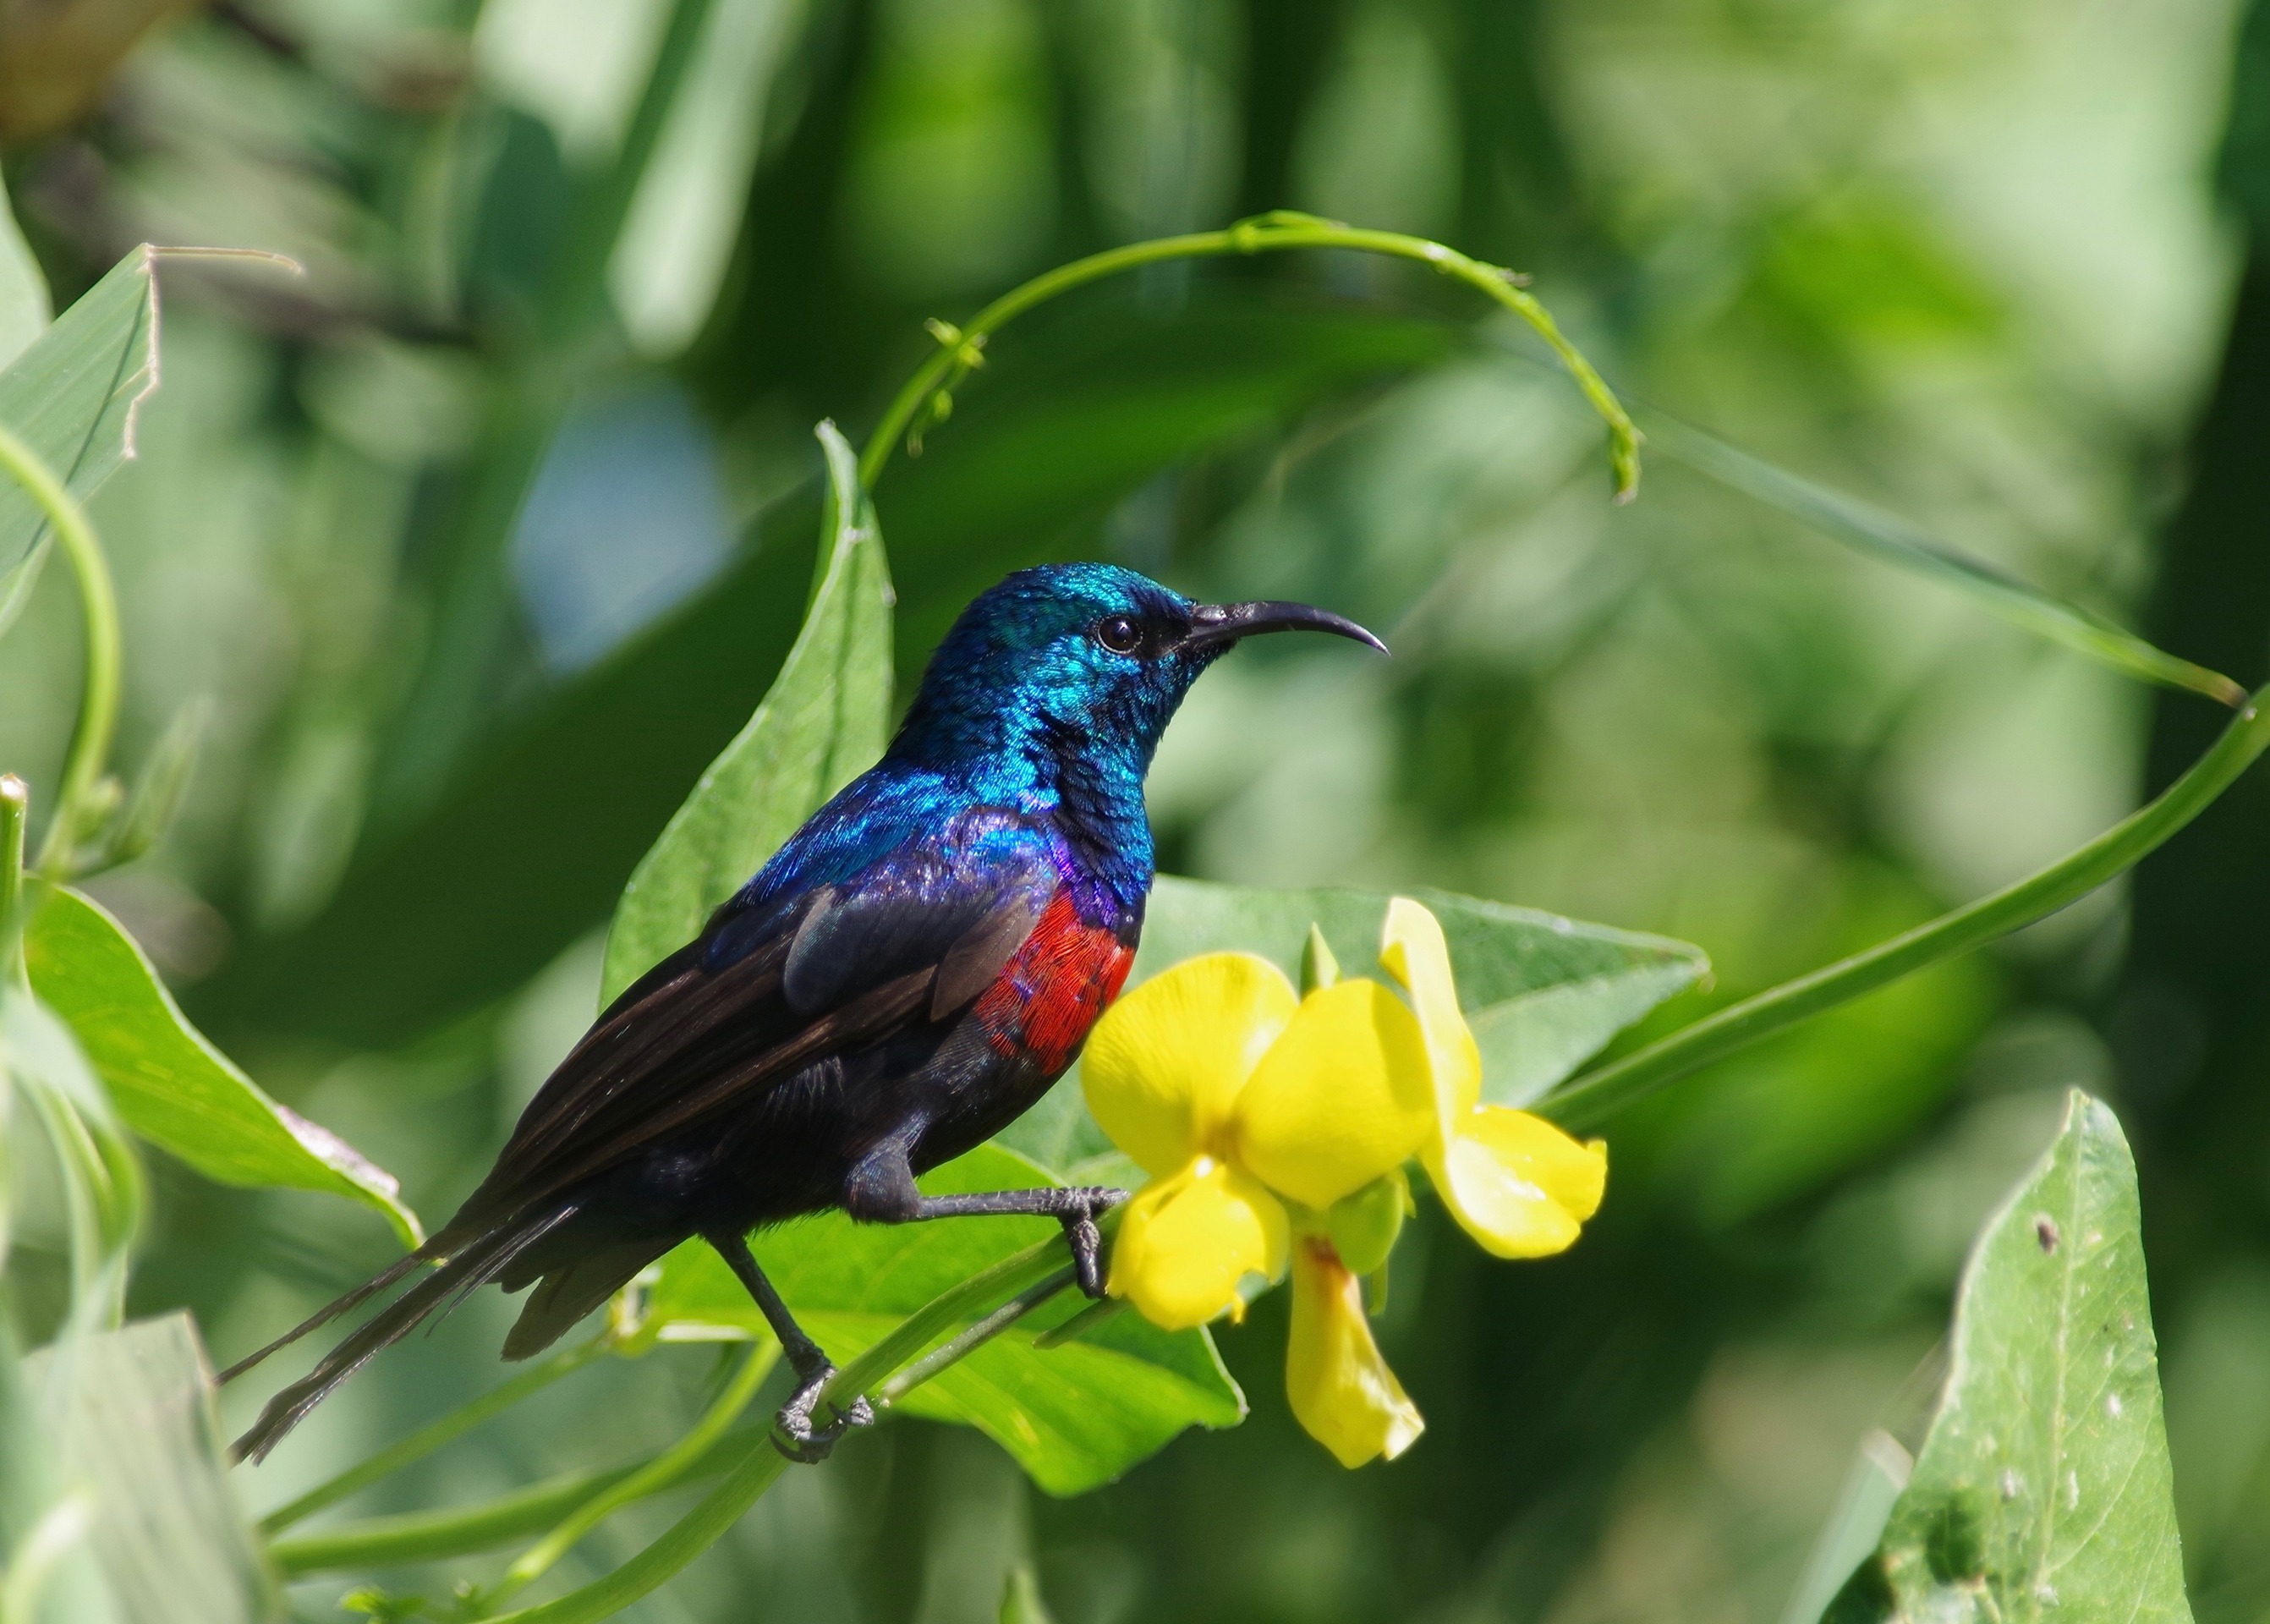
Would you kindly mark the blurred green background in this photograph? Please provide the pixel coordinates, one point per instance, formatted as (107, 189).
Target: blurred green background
(482, 537)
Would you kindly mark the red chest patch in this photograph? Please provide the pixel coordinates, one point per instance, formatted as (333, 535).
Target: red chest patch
(1052, 991)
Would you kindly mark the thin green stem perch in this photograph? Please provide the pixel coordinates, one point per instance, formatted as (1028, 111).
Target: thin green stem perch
(1597, 1094)
(723, 1506)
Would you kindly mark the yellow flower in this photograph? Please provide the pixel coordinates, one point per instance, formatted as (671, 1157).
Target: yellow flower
(1235, 1094)
(1340, 1388)
(1517, 1184)
(1275, 1128)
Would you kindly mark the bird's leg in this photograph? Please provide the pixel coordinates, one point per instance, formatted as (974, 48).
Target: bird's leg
(813, 1368)
(881, 1190)
(1076, 1209)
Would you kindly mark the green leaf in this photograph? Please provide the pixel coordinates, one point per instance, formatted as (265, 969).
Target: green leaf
(170, 1085)
(2043, 1490)
(129, 1415)
(25, 306)
(73, 395)
(1894, 541)
(825, 722)
(1073, 1417)
(1541, 992)
(43, 1063)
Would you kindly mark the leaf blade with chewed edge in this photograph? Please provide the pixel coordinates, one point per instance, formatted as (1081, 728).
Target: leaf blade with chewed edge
(2044, 1489)
(73, 395)
(823, 721)
(169, 1084)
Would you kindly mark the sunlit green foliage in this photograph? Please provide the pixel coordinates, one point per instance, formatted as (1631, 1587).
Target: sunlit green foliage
(1949, 276)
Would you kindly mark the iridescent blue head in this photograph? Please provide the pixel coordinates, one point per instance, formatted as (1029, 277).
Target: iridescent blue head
(1079, 665)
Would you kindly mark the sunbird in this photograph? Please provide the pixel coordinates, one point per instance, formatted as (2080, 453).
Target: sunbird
(901, 980)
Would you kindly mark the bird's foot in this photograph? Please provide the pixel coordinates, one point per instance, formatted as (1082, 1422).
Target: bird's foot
(797, 1437)
(1085, 1239)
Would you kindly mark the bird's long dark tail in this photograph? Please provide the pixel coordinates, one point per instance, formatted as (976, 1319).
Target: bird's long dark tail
(464, 1270)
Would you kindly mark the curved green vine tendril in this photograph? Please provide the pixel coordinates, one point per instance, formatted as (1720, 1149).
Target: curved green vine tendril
(80, 796)
(1597, 1094)
(927, 398)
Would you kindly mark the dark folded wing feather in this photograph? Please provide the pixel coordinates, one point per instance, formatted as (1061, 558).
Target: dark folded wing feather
(915, 937)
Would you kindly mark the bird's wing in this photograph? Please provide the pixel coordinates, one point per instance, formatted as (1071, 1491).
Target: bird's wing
(912, 937)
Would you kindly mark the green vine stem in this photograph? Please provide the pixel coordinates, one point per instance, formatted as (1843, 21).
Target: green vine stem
(435, 1433)
(928, 396)
(1599, 1093)
(971, 1338)
(98, 703)
(745, 1484)
(657, 1474)
(403, 1537)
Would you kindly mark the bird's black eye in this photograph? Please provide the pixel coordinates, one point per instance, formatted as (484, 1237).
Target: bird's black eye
(1119, 635)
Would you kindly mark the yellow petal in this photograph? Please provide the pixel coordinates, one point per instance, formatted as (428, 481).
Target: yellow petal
(1340, 1388)
(1165, 1063)
(1518, 1185)
(1413, 951)
(1188, 1240)
(1340, 1099)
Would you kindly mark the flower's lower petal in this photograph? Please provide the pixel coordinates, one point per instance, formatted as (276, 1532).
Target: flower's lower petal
(1164, 1064)
(1186, 1242)
(1340, 1387)
(1340, 1098)
(1518, 1184)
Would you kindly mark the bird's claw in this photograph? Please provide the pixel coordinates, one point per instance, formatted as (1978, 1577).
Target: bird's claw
(796, 1437)
(1086, 1240)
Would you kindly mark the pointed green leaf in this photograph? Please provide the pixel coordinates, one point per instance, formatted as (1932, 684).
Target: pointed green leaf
(2042, 1491)
(71, 397)
(1894, 540)
(1073, 1417)
(170, 1085)
(127, 1416)
(42, 1064)
(824, 722)
(24, 307)
(1543, 993)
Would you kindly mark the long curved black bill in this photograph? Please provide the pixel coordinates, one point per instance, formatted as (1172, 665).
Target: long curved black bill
(1215, 625)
